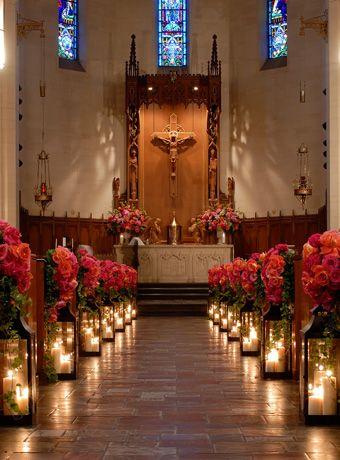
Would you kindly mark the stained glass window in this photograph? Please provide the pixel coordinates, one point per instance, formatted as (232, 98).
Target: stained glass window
(68, 29)
(172, 33)
(278, 37)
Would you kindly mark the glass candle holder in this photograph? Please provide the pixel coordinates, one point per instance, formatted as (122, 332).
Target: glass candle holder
(18, 377)
(64, 349)
(320, 372)
(234, 323)
(128, 313)
(216, 314)
(134, 309)
(108, 323)
(250, 330)
(276, 349)
(223, 317)
(89, 333)
(119, 317)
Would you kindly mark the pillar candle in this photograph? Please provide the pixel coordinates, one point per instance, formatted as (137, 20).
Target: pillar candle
(65, 367)
(21, 396)
(329, 396)
(272, 360)
(315, 401)
(56, 355)
(8, 385)
(88, 336)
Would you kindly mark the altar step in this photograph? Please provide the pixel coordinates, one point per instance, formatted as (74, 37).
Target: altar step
(172, 299)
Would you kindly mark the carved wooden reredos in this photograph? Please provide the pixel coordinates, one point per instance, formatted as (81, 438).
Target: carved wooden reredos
(176, 91)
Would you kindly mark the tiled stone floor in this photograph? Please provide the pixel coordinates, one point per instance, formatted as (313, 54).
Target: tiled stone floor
(170, 388)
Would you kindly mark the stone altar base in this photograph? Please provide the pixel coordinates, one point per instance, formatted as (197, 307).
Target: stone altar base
(173, 280)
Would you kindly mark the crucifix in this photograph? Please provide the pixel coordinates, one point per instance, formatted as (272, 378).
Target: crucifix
(175, 138)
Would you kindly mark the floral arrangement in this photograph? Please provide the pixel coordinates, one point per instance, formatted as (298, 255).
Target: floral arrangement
(127, 219)
(117, 281)
(251, 280)
(219, 218)
(88, 279)
(321, 269)
(60, 279)
(278, 275)
(15, 276)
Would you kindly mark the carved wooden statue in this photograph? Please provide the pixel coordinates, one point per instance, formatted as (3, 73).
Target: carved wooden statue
(197, 231)
(213, 165)
(133, 173)
(115, 192)
(153, 231)
(231, 193)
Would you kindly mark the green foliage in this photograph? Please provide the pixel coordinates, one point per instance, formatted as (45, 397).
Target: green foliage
(49, 367)
(9, 400)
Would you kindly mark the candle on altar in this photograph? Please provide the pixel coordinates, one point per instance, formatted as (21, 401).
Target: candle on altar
(56, 353)
(329, 394)
(315, 400)
(65, 364)
(121, 239)
(272, 360)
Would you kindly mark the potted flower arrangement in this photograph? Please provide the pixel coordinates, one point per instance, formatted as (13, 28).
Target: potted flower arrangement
(88, 305)
(218, 219)
(219, 295)
(127, 220)
(278, 279)
(61, 270)
(320, 369)
(234, 271)
(17, 340)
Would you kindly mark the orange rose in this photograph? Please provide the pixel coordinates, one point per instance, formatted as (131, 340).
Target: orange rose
(321, 277)
(24, 251)
(308, 250)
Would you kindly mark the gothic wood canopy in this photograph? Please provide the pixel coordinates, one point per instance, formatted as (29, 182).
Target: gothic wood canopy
(172, 88)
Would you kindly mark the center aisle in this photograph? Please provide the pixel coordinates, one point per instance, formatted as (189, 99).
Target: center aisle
(170, 388)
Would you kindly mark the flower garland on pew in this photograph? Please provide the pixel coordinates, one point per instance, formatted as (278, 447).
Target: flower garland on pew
(61, 270)
(278, 279)
(15, 281)
(321, 276)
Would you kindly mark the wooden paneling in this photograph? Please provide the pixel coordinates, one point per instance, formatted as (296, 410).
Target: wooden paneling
(255, 235)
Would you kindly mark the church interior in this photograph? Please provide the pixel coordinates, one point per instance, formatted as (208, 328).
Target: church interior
(170, 229)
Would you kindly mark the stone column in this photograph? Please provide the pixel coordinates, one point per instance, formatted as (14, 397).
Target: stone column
(9, 120)
(334, 115)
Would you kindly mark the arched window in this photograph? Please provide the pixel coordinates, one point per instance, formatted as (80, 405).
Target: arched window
(172, 33)
(277, 28)
(68, 29)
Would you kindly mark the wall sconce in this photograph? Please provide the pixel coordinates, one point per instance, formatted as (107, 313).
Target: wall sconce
(2, 35)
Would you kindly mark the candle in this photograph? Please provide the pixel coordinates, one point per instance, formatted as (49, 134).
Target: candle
(216, 318)
(119, 323)
(134, 313)
(329, 394)
(88, 339)
(121, 239)
(272, 360)
(8, 385)
(21, 396)
(281, 366)
(223, 238)
(246, 344)
(65, 364)
(319, 374)
(315, 400)
(56, 243)
(64, 241)
(224, 323)
(95, 344)
(56, 355)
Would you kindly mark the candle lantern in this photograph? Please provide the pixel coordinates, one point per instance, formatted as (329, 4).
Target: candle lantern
(234, 323)
(134, 309)
(216, 314)
(119, 317)
(223, 317)
(320, 372)
(89, 333)
(276, 347)
(250, 330)
(128, 313)
(64, 349)
(210, 310)
(108, 323)
(18, 376)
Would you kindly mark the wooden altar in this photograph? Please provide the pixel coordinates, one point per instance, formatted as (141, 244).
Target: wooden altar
(173, 125)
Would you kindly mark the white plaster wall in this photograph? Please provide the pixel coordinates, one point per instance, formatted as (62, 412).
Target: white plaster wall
(268, 123)
(85, 120)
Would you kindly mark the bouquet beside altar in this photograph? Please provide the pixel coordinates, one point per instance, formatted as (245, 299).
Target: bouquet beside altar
(127, 219)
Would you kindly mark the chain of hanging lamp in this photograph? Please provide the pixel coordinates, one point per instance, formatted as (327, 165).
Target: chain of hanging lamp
(43, 190)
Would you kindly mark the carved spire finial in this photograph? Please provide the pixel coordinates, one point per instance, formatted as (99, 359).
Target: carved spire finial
(215, 64)
(132, 67)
